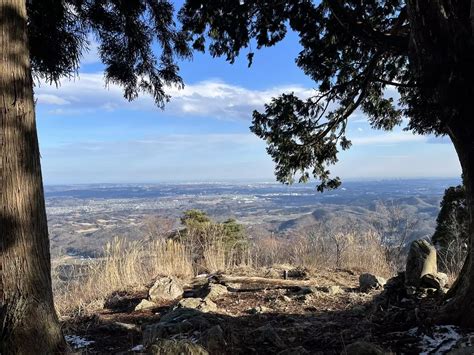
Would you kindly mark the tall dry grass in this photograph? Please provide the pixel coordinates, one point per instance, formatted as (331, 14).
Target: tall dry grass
(125, 266)
(361, 251)
(133, 265)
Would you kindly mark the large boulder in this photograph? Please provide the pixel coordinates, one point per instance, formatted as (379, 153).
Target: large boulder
(166, 289)
(421, 261)
(368, 282)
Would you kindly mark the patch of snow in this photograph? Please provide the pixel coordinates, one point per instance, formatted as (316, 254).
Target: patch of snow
(440, 340)
(138, 348)
(77, 342)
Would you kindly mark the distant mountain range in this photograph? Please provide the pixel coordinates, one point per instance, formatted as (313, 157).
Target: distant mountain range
(82, 218)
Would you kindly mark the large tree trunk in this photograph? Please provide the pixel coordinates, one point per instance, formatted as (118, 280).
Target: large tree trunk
(28, 321)
(459, 308)
(442, 56)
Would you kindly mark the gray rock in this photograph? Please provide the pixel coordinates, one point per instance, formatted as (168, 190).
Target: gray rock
(166, 288)
(444, 278)
(421, 260)
(437, 281)
(369, 282)
(204, 305)
(362, 348)
(174, 347)
(216, 291)
(179, 321)
(190, 302)
(207, 306)
(145, 304)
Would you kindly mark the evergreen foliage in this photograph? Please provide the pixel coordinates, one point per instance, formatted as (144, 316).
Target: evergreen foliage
(359, 53)
(138, 42)
(453, 218)
(201, 233)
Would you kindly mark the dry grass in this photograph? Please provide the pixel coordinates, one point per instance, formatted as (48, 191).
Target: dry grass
(362, 252)
(125, 266)
(451, 258)
(133, 265)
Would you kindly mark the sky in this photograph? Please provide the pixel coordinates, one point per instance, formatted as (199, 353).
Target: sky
(89, 134)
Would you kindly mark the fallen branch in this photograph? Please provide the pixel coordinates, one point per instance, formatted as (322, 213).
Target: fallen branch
(260, 281)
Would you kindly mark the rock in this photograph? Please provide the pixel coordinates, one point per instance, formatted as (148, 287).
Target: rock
(268, 335)
(216, 291)
(173, 347)
(204, 305)
(190, 303)
(166, 288)
(437, 281)
(369, 282)
(444, 278)
(179, 321)
(362, 348)
(145, 304)
(207, 306)
(421, 260)
(214, 340)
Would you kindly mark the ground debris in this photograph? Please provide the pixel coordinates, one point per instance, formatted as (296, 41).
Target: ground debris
(321, 315)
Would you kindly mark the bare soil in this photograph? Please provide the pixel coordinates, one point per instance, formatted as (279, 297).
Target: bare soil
(301, 320)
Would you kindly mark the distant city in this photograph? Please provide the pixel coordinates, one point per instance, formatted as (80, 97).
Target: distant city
(82, 218)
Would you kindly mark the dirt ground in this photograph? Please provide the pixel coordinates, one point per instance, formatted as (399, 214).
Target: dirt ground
(321, 319)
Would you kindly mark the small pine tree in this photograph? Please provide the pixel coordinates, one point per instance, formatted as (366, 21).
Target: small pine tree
(452, 221)
(201, 233)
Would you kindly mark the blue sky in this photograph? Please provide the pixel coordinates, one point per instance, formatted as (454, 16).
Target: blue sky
(90, 134)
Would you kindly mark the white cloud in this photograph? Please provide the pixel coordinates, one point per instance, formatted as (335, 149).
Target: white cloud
(210, 98)
(389, 138)
(49, 99)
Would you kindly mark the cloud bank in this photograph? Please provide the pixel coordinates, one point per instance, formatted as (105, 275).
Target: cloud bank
(211, 98)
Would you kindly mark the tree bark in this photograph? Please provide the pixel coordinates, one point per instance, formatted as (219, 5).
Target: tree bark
(28, 321)
(459, 307)
(442, 57)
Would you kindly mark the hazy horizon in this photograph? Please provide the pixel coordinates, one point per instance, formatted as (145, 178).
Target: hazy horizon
(89, 133)
(261, 181)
